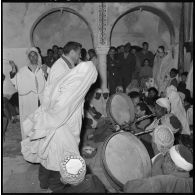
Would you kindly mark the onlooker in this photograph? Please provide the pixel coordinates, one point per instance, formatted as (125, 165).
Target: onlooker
(83, 55)
(60, 52)
(173, 79)
(146, 69)
(30, 83)
(113, 69)
(49, 59)
(91, 53)
(152, 96)
(135, 97)
(127, 63)
(145, 54)
(55, 52)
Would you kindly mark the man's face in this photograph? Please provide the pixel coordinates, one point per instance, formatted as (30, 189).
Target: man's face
(168, 165)
(112, 52)
(60, 52)
(127, 48)
(172, 74)
(183, 78)
(145, 47)
(151, 94)
(136, 101)
(55, 49)
(75, 55)
(139, 112)
(159, 111)
(50, 54)
(160, 52)
(33, 57)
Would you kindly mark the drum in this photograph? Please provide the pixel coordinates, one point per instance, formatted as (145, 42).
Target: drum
(120, 109)
(124, 158)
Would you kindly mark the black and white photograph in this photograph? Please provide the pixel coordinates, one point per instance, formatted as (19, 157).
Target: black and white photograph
(97, 97)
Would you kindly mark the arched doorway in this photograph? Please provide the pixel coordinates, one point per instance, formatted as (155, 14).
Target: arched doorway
(58, 26)
(164, 18)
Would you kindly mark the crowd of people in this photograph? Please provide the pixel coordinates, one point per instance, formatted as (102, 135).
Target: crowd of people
(53, 90)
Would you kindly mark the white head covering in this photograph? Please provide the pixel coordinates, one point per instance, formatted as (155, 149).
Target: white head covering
(72, 169)
(177, 155)
(189, 81)
(165, 103)
(35, 50)
(98, 90)
(177, 108)
(163, 137)
(106, 90)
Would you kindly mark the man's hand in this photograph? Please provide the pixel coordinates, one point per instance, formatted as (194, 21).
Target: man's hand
(157, 165)
(13, 65)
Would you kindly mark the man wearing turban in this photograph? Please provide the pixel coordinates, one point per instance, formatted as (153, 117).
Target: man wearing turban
(170, 174)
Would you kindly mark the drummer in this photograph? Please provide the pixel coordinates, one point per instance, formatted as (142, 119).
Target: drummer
(142, 110)
(170, 174)
(162, 107)
(135, 97)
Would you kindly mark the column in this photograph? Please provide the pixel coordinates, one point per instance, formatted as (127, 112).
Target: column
(102, 43)
(102, 55)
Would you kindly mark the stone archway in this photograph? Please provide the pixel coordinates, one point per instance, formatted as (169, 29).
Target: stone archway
(55, 10)
(155, 11)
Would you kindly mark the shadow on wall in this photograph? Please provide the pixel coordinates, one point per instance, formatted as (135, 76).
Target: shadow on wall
(60, 27)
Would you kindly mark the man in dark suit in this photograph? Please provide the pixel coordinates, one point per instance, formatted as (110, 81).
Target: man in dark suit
(127, 62)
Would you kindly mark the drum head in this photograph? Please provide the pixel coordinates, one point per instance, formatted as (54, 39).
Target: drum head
(120, 109)
(125, 158)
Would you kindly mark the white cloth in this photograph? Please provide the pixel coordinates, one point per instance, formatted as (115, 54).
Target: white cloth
(30, 87)
(179, 111)
(189, 81)
(190, 115)
(179, 160)
(162, 74)
(56, 124)
(164, 102)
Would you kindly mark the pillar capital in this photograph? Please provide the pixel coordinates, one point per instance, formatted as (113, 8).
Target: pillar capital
(102, 50)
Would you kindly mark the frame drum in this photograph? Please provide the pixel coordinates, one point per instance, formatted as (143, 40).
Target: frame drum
(120, 109)
(124, 158)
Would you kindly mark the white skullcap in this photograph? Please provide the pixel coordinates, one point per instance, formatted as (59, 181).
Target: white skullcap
(72, 169)
(182, 157)
(164, 102)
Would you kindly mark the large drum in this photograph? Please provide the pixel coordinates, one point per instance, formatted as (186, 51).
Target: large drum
(124, 158)
(120, 109)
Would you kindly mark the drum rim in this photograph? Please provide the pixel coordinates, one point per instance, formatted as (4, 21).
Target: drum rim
(108, 106)
(105, 166)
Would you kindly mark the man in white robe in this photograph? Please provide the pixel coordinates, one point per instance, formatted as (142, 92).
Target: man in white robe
(56, 124)
(30, 83)
(61, 67)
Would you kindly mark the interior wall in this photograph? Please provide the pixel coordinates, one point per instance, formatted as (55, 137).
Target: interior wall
(137, 27)
(57, 29)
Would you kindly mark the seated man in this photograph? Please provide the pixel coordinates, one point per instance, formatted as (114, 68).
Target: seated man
(170, 174)
(162, 139)
(135, 97)
(142, 110)
(152, 97)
